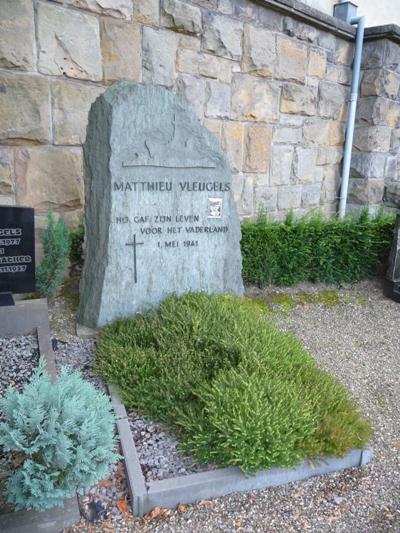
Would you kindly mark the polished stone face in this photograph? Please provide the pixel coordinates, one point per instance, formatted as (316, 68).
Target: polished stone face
(17, 249)
(160, 216)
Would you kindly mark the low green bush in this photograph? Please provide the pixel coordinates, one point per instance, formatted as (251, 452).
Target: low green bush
(315, 249)
(56, 246)
(62, 435)
(237, 390)
(77, 236)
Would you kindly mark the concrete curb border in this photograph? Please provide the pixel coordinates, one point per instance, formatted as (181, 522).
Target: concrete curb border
(204, 485)
(24, 318)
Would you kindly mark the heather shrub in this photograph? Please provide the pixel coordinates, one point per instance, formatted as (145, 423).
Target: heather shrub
(236, 389)
(62, 434)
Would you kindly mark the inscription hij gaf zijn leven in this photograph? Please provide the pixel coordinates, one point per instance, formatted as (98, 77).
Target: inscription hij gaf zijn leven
(17, 249)
(160, 216)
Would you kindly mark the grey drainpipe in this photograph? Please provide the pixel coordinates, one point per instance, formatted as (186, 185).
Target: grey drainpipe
(351, 116)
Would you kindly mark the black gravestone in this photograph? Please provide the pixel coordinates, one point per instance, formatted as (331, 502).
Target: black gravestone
(17, 249)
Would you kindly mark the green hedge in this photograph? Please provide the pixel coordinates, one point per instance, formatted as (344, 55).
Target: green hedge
(315, 249)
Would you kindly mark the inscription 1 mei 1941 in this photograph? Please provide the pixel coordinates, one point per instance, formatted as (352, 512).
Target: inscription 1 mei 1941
(17, 249)
(160, 216)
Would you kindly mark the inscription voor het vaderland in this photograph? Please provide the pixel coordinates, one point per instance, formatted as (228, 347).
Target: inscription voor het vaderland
(172, 230)
(17, 249)
(160, 216)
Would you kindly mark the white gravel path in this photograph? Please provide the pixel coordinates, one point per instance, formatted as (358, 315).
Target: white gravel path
(357, 341)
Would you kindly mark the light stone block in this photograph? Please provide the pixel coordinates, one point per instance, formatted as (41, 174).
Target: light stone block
(391, 58)
(258, 15)
(332, 101)
(311, 195)
(70, 107)
(182, 17)
(392, 167)
(147, 11)
(6, 170)
(289, 197)
(201, 64)
(281, 167)
(223, 36)
(329, 155)
(24, 107)
(298, 99)
(121, 46)
(368, 165)
(214, 126)
(17, 35)
(372, 139)
(258, 140)
(305, 163)
(111, 8)
(327, 40)
(49, 177)
(344, 52)
(68, 43)
(191, 42)
(292, 121)
(154, 180)
(159, 55)
(193, 91)
(372, 111)
(338, 74)
(254, 99)
(373, 53)
(395, 139)
(292, 60)
(330, 184)
(323, 132)
(317, 63)
(287, 135)
(218, 100)
(336, 133)
(301, 31)
(7, 199)
(232, 143)
(225, 6)
(380, 82)
(365, 192)
(243, 191)
(259, 51)
(265, 198)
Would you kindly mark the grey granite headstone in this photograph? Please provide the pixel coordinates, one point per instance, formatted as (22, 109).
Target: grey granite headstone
(160, 216)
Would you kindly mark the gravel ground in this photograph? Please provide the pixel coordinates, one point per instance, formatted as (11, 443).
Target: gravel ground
(158, 450)
(19, 356)
(358, 342)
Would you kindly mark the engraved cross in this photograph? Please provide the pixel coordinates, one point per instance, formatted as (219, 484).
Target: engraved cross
(134, 244)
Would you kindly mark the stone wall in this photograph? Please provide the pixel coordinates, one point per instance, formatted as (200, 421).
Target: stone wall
(376, 146)
(270, 81)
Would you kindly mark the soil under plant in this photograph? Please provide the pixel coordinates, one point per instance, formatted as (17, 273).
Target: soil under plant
(237, 391)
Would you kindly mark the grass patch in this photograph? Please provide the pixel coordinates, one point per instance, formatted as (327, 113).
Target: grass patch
(286, 302)
(238, 391)
(316, 249)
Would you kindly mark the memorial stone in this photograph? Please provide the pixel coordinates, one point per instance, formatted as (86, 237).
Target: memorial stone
(160, 217)
(17, 249)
